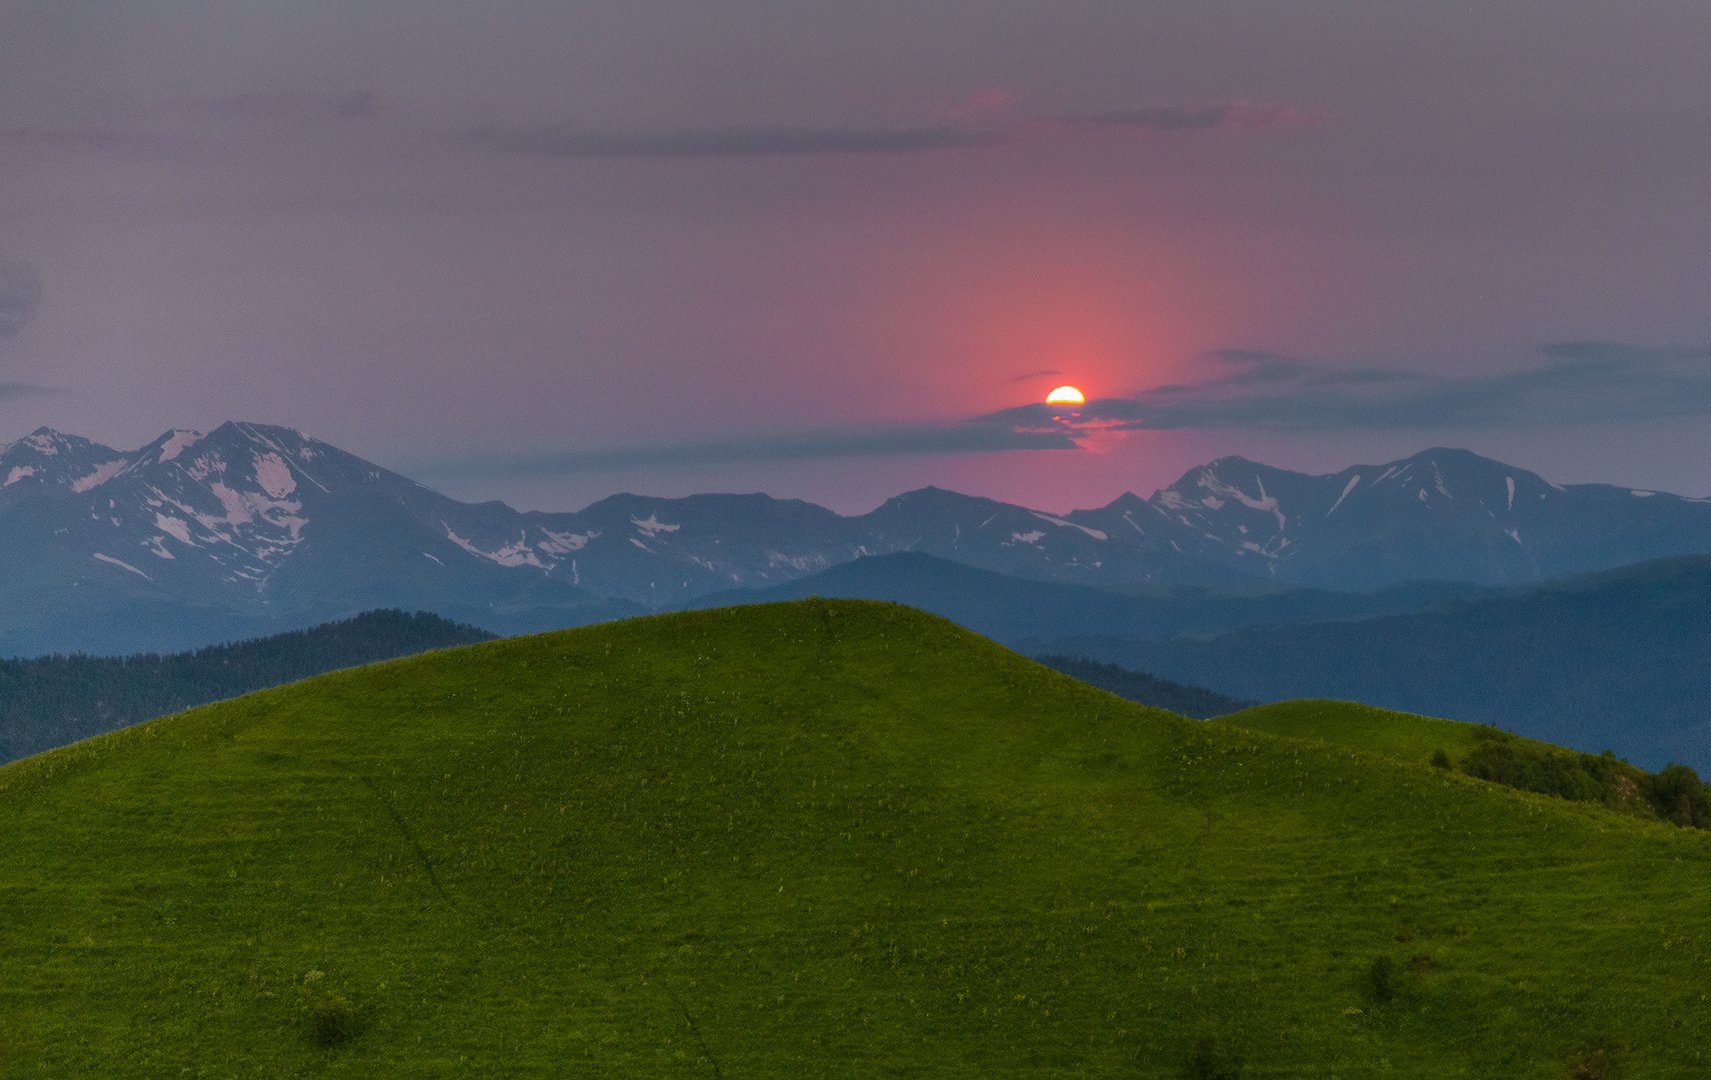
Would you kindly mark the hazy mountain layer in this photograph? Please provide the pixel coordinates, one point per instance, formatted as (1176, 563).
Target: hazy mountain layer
(251, 529)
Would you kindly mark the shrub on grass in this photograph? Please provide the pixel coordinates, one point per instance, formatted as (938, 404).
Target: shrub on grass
(1593, 1066)
(1381, 980)
(329, 1019)
(1678, 795)
(332, 1022)
(1209, 1063)
(1440, 760)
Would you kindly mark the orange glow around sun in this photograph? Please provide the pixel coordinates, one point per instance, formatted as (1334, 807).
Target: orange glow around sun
(1066, 395)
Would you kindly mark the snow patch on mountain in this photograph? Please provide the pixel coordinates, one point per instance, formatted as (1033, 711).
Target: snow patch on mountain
(1509, 482)
(103, 473)
(1438, 481)
(563, 543)
(177, 528)
(1348, 487)
(1095, 533)
(1267, 503)
(274, 475)
(18, 473)
(517, 554)
(232, 502)
(122, 564)
(653, 526)
(179, 442)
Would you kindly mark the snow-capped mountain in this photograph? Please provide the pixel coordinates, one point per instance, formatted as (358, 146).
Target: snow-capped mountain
(1442, 514)
(46, 462)
(252, 528)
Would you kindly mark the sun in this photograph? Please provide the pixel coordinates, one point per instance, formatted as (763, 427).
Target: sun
(1066, 395)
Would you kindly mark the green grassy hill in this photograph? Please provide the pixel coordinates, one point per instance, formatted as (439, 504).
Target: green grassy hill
(1404, 736)
(1674, 794)
(837, 839)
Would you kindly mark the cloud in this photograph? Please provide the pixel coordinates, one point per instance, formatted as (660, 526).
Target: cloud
(1575, 383)
(978, 436)
(1027, 376)
(1223, 115)
(109, 141)
(574, 142)
(12, 391)
(980, 121)
(20, 295)
(187, 127)
(317, 105)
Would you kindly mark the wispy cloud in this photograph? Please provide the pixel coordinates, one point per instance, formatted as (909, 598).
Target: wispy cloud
(13, 391)
(284, 105)
(20, 295)
(977, 436)
(113, 141)
(987, 119)
(1222, 115)
(737, 142)
(1572, 383)
(183, 127)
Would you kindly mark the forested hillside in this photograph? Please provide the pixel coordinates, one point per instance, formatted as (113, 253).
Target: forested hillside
(53, 700)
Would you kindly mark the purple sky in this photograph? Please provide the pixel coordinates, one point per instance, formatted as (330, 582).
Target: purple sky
(544, 251)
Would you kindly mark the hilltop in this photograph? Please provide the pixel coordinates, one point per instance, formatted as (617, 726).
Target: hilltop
(818, 838)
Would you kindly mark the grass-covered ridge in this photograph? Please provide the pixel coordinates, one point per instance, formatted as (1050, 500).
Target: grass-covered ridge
(812, 839)
(1674, 794)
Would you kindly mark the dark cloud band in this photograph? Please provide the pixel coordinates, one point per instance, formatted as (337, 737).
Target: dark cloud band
(572, 141)
(976, 437)
(20, 295)
(1577, 382)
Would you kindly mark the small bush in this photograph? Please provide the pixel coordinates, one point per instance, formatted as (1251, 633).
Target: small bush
(1381, 980)
(332, 1022)
(1208, 1063)
(1440, 760)
(1593, 1066)
(1678, 795)
(329, 1019)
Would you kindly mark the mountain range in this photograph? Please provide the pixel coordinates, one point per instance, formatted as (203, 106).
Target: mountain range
(253, 529)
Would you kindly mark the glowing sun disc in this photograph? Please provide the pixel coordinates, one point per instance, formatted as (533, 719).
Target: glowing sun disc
(1066, 395)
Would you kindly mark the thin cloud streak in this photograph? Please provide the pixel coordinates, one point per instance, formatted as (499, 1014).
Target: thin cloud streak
(20, 295)
(1577, 382)
(738, 142)
(14, 391)
(957, 438)
(978, 130)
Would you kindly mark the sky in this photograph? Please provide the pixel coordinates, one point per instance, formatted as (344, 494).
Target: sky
(545, 252)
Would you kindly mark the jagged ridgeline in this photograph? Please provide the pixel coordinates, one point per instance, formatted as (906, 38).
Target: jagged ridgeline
(806, 839)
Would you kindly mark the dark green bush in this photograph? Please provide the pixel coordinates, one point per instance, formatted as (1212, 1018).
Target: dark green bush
(330, 1020)
(1209, 1063)
(1381, 980)
(1678, 795)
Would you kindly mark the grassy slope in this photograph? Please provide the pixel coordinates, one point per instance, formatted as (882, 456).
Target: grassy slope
(816, 839)
(1404, 736)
